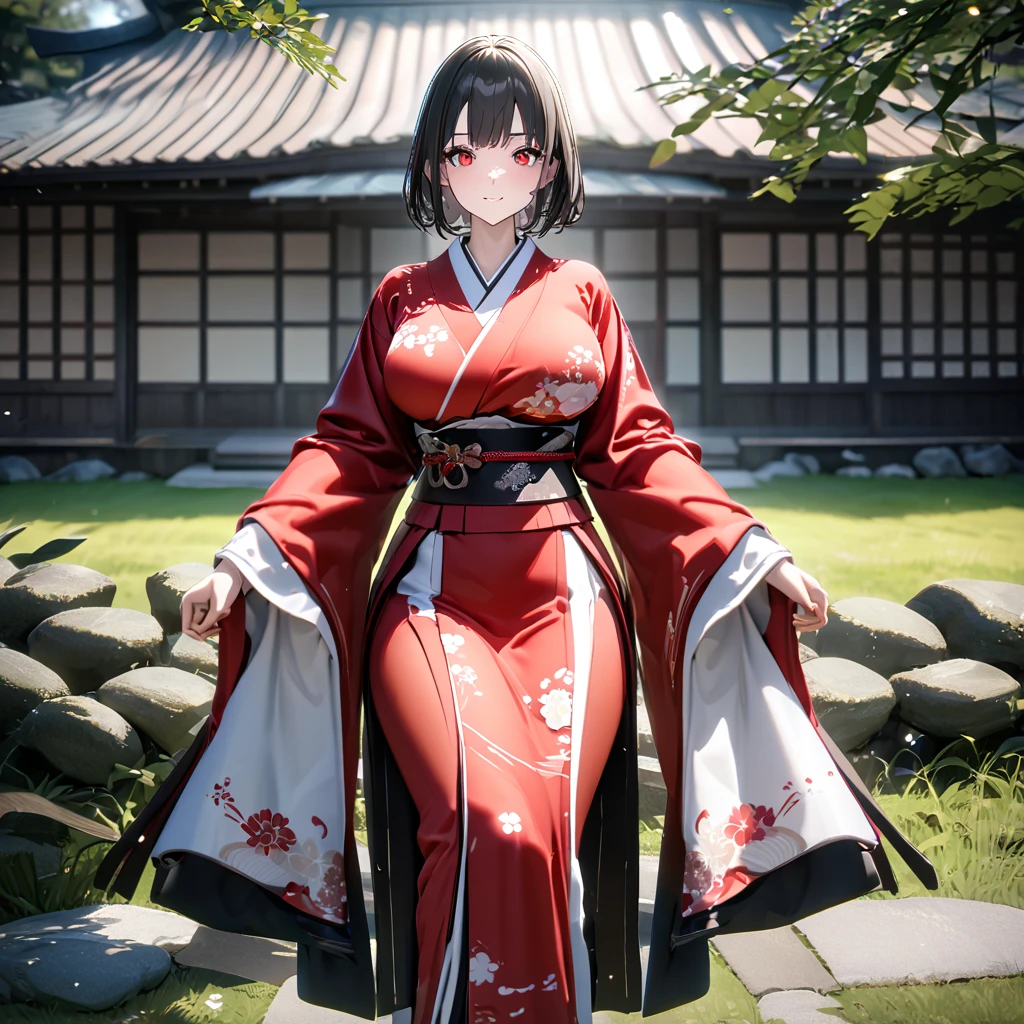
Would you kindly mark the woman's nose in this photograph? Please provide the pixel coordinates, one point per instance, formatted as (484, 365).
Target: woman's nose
(495, 174)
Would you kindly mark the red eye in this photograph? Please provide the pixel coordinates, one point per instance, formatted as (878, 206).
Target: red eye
(465, 159)
(526, 157)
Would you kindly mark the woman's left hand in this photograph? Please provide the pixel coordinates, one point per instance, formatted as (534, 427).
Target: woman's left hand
(806, 591)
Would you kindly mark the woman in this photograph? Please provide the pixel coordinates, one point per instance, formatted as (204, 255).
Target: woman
(495, 653)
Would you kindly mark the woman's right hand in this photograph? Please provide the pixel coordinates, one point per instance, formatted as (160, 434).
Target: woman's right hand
(203, 607)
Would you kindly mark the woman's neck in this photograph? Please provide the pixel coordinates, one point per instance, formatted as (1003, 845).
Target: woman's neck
(490, 244)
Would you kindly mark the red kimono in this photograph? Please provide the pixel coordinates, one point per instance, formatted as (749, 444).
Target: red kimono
(497, 658)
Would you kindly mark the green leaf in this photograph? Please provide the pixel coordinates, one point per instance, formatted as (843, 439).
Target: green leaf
(856, 139)
(986, 128)
(10, 534)
(664, 152)
(1014, 745)
(937, 840)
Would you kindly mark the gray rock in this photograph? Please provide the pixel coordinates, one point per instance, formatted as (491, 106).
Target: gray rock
(797, 1006)
(883, 635)
(958, 697)
(80, 737)
(83, 471)
(196, 656)
(778, 467)
(24, 683)
(41, 590)
(917, 940)
(851, 456)
(980, 619)
(808, 463)
(989, 460)
(91, 973)
(47, 858)
(16, 469)
(851, 702)
(857, 472)
(116, 921)
(88, 646)
(134, 476)
(165, 590)
(807, 654)
(162, 702)
(938, 460)
(897, 470)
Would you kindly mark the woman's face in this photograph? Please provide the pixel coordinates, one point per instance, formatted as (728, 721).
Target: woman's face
(494, 182)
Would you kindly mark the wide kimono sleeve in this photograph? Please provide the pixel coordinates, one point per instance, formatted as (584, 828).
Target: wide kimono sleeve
(756, 790)
(254, 830)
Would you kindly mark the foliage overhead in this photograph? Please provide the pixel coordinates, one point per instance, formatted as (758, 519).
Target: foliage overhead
(932, 64)
(281, 24)
(24, 75)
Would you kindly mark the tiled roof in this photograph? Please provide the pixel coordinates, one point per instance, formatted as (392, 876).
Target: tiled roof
(212, 98)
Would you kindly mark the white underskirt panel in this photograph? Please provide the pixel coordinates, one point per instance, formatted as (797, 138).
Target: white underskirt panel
(267, 798)
(759, 786)
(584, 587)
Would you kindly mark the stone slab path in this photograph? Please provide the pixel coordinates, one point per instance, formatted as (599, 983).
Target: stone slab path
(774, 960)
(862, 942)
(245, 956)
(918, 939)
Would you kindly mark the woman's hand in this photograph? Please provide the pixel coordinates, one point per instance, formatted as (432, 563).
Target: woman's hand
(209, 601)
(807, 593)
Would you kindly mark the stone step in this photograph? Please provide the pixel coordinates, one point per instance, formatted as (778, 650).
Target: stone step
(917, 940)
(773, 960)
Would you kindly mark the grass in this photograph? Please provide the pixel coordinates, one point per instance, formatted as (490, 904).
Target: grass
(971, 828)
(979, 1001)
(890, 538)
(875, 538)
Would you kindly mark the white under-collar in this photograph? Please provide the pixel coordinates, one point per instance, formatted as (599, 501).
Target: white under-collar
(485, 296)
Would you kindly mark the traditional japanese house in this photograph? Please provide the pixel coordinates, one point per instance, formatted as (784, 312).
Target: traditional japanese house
(189, 236)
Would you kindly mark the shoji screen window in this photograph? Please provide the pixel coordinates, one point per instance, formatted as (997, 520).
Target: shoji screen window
(794, 308)
(682, 289)
(306, 307)
(949, 306)
(241, 308)
(629, 260)
(10, 293)
(170, 307)
(57, 293)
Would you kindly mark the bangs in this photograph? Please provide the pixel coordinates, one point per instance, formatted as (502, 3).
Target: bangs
(492, 85)
(492, 77)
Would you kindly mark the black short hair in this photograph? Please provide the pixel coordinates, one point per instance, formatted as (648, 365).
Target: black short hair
(494, 75)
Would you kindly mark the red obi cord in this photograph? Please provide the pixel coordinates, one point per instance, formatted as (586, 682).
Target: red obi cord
(474, 457)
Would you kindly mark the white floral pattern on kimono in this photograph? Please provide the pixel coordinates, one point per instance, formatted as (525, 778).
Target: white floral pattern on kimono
(409, 335)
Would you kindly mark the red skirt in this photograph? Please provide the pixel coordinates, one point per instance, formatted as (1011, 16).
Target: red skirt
(498, 674)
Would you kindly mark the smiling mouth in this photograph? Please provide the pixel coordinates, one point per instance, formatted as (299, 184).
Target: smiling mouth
(493, 199)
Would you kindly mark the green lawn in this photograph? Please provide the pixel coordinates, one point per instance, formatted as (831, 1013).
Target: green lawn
(882, 538)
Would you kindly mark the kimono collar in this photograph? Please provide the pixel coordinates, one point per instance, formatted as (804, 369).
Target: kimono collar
(485, 296)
